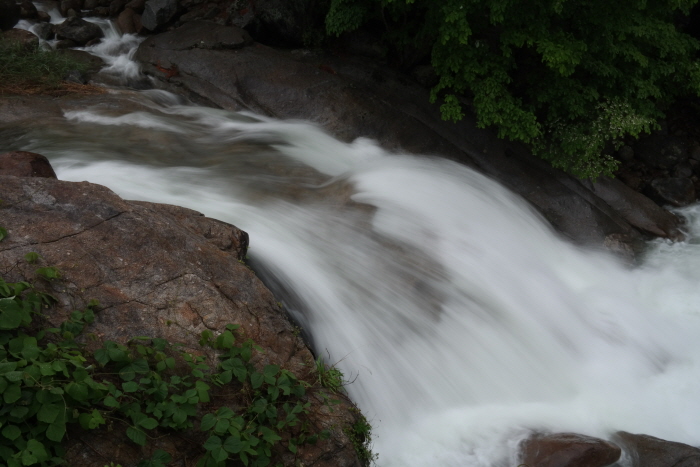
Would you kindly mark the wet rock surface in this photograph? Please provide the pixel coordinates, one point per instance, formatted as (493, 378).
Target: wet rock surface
(25, 164)
(648, 451)
(568, 450)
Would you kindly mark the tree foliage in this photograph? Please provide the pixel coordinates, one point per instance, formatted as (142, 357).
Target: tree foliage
(570, 78)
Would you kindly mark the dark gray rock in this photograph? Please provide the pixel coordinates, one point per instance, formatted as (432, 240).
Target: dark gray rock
(116, 7)
(648, 451)
(625, 153)
(129, 22)
(136, 5)
(662, 151)
(9, 14)
(43, 16)
(285, 22)
(683, 170)
(45, 31)
(28, 10)
(67, 5)
(672, 191)
(156, 13)
(78, 30)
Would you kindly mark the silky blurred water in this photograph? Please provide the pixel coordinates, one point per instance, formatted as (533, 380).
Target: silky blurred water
(460, 319)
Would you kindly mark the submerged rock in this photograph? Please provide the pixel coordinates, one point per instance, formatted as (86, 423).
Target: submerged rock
(648, 451)
(567, 450)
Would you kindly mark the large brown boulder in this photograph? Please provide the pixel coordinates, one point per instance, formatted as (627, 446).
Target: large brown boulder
(648, 451)
(355, 97)
(567, 450)
(159, 271)
(25, 164)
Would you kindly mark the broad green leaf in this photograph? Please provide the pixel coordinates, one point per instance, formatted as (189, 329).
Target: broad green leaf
(13, 376)
(233, 444)
(35, 450)
(136, 435)
(56, 431)
(11, 432)
(19, 411)
(7, 366)
(12, 393)
(211, 443)
(271, 370)
(148, 423)
(11, 315)
(110, 401)
(219, 454)
(208, 422)
(131, 386)
(222, 426)
(48, 412)
(77, 391)
(256, 379)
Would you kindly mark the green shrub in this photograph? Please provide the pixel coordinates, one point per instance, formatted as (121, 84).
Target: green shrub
(24, 66)
(571, 79)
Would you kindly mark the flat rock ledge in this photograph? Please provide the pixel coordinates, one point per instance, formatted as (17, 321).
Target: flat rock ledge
(160, 271)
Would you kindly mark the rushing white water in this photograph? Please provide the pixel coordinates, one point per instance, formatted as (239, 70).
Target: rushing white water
(461, 318)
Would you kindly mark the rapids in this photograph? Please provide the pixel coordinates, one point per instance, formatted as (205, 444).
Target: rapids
(459, 318)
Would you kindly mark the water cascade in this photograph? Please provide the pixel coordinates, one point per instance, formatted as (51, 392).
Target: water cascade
(459, 318)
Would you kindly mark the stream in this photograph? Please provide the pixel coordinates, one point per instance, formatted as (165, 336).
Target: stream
(459, 318)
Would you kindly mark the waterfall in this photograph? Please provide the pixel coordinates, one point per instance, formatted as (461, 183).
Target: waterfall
(460, 319)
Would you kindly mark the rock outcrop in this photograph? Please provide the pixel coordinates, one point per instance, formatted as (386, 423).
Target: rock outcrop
(568, 450)
(575, 450)
(648, 451)
(353, 97)
(156, 270)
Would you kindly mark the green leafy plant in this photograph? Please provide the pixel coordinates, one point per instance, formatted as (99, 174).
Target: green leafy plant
(329, 377)
(147, 385)
(361, 436)
(23, 66)
(274, 404)
(570, 79)
(32, 257)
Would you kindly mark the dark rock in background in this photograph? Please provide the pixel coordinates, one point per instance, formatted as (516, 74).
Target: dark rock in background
(78, 30)
(9, 14)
